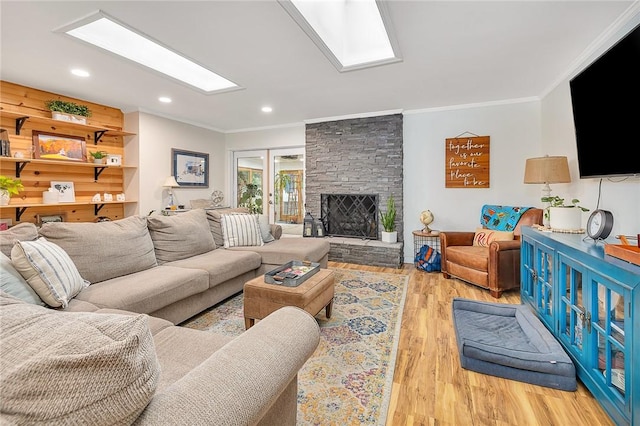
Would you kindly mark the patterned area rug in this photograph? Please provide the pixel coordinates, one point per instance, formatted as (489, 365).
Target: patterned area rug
(348, 379)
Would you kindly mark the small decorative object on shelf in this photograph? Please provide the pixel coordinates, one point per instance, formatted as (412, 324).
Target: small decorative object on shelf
(66, 191)
(107, 197)
(5, 144)
(96, 198)
(318, 228)
(98, 156)
(122, 197)
(114, 160)
(426, 217)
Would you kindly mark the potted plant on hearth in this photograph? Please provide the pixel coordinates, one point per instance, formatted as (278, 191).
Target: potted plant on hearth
(564, 217)
(68, 111)
(9, 187)
(388, 218)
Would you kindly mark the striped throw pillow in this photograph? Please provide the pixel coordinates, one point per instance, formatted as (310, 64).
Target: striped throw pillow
(49, 271)
(241, 230)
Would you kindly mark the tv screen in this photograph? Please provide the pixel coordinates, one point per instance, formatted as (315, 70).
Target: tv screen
(605, 98)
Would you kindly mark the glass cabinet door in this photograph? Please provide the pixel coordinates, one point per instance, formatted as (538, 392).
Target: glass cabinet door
(574, 318)
(543, 283)
(527, 269)
(609, 316)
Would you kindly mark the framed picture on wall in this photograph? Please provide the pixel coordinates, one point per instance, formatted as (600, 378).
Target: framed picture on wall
(52, 146)
(190, 168)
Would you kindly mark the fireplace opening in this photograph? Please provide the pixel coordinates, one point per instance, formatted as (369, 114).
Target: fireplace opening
(350, 215)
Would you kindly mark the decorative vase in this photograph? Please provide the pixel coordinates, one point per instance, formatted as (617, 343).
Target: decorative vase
(4, 197)
(565, 218)
(390, 237)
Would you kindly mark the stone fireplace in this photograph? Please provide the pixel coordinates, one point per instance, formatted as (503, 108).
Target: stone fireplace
(359, 157)
(350, 215)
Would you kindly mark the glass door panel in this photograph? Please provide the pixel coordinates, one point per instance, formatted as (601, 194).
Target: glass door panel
(609, 323)
(249, 179)
(286, 194)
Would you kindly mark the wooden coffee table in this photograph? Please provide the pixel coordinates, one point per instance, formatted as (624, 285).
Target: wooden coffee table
(261, 299)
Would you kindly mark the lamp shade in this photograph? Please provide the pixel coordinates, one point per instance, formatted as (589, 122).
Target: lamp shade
(170, 182)
(547, 170)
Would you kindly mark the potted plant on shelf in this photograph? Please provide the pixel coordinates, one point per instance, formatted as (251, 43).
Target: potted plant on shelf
(9, 187)
(566, 217)
(388, 218)
(98, 156)
(68, 111)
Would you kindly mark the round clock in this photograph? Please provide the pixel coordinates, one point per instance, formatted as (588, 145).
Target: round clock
(600, 224)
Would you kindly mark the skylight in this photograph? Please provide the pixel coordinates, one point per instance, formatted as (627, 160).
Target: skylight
(353, 34)
(103, 31)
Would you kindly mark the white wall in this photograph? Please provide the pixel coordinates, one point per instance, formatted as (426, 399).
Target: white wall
(514, 130)
(156, 137)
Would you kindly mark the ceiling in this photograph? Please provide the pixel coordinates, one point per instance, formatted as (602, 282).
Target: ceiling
(453, 53)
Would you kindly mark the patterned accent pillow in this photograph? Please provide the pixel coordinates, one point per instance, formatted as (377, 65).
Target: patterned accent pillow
(484, 237)
(80, 368)
(49, 271)
(241, 230)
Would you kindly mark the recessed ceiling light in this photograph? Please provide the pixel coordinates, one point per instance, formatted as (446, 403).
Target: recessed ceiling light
(105, 32)
(351, 34)
(267, 109)
(164, 99)
(80, 73)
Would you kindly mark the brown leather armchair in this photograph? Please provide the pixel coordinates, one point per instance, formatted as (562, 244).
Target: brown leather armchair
(496, 268)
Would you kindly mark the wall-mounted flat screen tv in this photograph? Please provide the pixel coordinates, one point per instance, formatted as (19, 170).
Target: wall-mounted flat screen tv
(605, 98)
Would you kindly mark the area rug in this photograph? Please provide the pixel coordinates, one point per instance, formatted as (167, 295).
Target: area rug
(348, 379)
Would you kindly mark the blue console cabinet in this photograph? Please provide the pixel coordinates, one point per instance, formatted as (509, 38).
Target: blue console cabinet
(591, 303)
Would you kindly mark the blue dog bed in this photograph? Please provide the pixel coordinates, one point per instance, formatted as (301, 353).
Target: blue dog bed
(509, 341)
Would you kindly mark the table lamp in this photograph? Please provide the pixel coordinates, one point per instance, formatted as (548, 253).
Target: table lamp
(546, 170)
(170, 183)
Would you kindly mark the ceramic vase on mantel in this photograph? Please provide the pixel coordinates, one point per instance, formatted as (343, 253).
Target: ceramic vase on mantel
(390, 237)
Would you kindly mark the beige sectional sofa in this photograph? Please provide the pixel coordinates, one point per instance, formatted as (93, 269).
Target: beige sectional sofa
(146, 275)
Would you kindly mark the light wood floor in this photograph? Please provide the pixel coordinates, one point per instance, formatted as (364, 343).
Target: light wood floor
(430, 387)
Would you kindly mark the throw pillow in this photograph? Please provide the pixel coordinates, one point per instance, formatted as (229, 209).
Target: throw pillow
(484, 237)
(183, 235)
(49, 271)
(215, 222)
(74, 367)
(265, 228)
(14, 284)
(105, 250)
(21, 232)
(241, 230)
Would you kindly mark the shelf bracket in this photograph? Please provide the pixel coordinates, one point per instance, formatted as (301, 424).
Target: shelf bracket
(19, 211)
(97, 135)
(19, 123)
(96, 173)
(19, 166)
(97, 208)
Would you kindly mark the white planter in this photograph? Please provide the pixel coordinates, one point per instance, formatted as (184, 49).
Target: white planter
(565, 218)
(390, 237)
(4, 197)
(72, 118)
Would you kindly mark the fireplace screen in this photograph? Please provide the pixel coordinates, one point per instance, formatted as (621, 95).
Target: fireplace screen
(349, 215)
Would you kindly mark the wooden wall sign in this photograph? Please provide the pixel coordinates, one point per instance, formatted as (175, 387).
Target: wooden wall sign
(467, 162)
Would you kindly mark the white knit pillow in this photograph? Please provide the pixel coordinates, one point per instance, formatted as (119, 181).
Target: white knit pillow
(241, 230)
(49, 271)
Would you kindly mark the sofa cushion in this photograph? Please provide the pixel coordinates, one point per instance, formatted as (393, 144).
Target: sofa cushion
(147, 291)
(265, 228)
(49, 271)
(49, 375)
(284, 250)
(13, 283)
(241, 230)
(474, 257)
(21, 232)
(221, 265)
(215, 222)
(180, 236)
(483, 237)
(105, 250)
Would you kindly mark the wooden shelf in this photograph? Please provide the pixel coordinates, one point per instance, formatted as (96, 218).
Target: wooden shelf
(98, 131)
(22, 207)
(22, 162)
